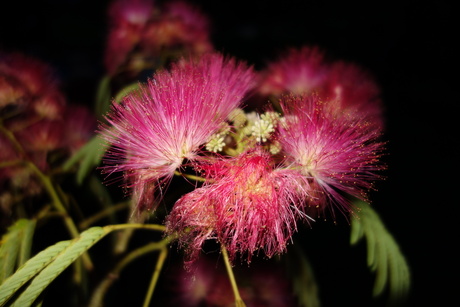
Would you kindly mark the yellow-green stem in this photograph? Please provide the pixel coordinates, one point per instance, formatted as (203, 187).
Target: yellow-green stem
(238, 300)
(49, 187)
(59, 206)
(103, 287)
(138, 226)
(101, 214)
(156, 274)
(191, 177)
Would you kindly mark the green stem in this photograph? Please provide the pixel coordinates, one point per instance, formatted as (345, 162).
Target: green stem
(238, 300)
(101, 214)
(191, 177)
(99, 293)
(59, 206)
(156, 274)
(49, 187)
(123, 239)
(11, 163)
(138, 226)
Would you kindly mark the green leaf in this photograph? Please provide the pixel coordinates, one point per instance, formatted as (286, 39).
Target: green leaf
(29, 270)
(125, 91)
(77, 247)
(303, 279)
(26, 241)
(383, 254)
(89, 156)
(103, 97)
(15, 248)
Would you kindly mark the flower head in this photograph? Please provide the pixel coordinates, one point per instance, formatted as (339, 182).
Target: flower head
(179, 26)
(127, 20)
(354, 91)
(36, 76)
(247, 204)
(349, 89)
(80, 125)
(339, 155)
(298, 71)
(170, 118)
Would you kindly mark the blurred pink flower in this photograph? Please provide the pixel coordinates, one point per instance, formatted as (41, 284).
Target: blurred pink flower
(180, 25)
(348, 88)
(354, 91)
(36, 76)
(297, 71)
(206, 284)
(247, 204)
(127, 20)
(339, 155)
(12, 93)
(170, 118)
(79, 126)
(141, 33)
(26, 82)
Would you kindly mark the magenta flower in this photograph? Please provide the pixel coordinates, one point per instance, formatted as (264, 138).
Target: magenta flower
(297, 71)
(181, 27)
(264, 283)
(339, 155)
(127, 20)
(170, 118)
(354, 91)
(346, 86)
(247, 204)
(80, 125)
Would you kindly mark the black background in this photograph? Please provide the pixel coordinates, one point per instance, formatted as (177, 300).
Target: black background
(407, 45)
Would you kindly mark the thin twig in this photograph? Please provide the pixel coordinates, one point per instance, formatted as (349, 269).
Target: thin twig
(100, 291)
(156, 274)
(238, 300)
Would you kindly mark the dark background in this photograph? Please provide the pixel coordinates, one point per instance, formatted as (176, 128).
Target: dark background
(407, 46)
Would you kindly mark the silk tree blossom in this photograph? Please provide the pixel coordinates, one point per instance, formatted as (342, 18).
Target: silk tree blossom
(340, 156)
(297, 71)
(127, 20)
(303, 71)
(170, 119)
(355, 91)
(179, 26)
(247, 204)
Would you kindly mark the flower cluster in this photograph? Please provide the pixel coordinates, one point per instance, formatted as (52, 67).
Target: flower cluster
(42, 126)
(141, 32)
(168, 120)
(346, 86)
(261, 172)
(224, 155)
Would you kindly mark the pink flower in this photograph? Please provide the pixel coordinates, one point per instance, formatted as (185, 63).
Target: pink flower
(170, 118)
(140, 34)
(339, 155)
(34, 75)
(264, 283)
(127, 20)
(180, 26)
(348, 88)
(297, 71)
(353, 90)
(80, 125)
(12, 93)
(247, 204)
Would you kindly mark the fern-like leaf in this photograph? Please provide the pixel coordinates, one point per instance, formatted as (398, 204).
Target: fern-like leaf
(303, 280)
(15, 246)
(77, 247)
(29, 270)
(46, 266)
(383, 254)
